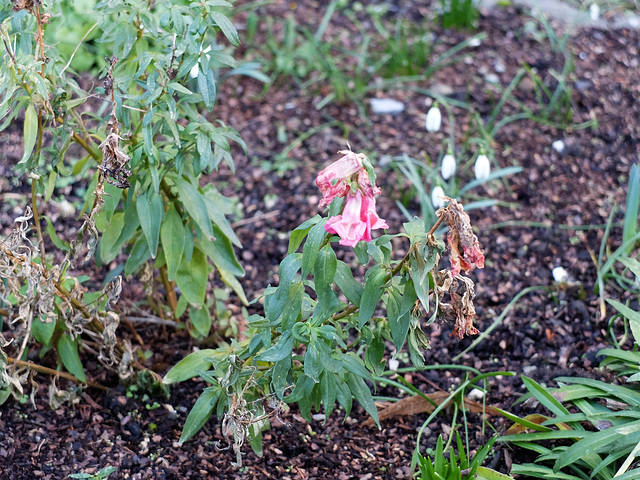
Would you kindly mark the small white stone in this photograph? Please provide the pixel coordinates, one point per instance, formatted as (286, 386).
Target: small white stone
(594, 11)
(319, 417)
(492, 78)
(475, 394)
(394, 364)
(449, 166)
(437, 197)
(434, 119)
(386, 105)
(475, 42)
(560, 275)
(558, 146)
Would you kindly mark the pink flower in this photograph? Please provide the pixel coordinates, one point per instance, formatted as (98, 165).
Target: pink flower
(349, 225)
(370, 217)
(357, 220)
(333, 180)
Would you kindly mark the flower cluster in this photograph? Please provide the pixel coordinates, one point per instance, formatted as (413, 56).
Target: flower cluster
(348, 177)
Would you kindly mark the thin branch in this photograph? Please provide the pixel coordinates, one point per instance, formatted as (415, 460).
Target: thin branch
(58, 373)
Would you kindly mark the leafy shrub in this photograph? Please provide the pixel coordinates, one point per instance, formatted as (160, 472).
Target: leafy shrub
(140, 146)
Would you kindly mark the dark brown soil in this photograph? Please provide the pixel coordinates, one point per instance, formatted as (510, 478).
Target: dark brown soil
(544, 336)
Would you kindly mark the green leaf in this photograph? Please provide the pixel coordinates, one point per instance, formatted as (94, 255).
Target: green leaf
(57, 241)
(231, 281)
(324, 272)
(347, 284)
(484, 473)
(312, 365)
(172, 236)
(630, 228)
(227, 27)
(329, 392)
(138, 255)
(193, 201)
(150, 212)
(300, 233)
(595, 441)
(631, 315)
(30, 134)
(179, 88)
(192, 277)
(201, 320)
(51, 184)
(217, 217)
(544, 397)
(68, 350)
(207, 87)
(221, 253)
(199, 414)
(279, 351)
(316, 237)
(362, 393)
(274, 304)
(376, 277)
(43, 331)
(189, 366)
(109, 246)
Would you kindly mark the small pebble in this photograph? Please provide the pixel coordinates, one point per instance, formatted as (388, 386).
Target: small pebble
(475, 394)
(386, 105)
(558, 146)
(492, 78)
(560, 275)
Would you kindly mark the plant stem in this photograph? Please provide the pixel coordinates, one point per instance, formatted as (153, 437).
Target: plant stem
(36, 216)
(170, 288)
(51, 371)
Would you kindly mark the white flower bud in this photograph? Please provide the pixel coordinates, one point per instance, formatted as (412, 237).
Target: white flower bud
(437, 197)
(448, 166)
(434, 119)
(482, 167)
(594, 11)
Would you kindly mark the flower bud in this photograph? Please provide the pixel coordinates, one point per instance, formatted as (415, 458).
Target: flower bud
(437, 197)
(482, 167)
(448, 166)
(594, 11)
(434, 119)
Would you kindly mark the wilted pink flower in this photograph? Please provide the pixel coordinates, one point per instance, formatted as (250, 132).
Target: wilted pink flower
(464, 248)
(333, 180)
(349, 225)
(370, 217)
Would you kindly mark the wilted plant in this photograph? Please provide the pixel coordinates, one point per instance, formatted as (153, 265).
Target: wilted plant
(141, 145)
(321, 339)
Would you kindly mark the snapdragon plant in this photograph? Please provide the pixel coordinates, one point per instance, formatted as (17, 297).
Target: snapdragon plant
(323, 334)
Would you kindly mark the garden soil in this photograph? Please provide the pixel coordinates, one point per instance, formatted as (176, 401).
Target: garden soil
(551, 331)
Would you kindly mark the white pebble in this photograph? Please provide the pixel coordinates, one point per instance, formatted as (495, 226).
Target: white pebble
(558, 146)
(475, 394)
(394, 364)
(560, 275)
(386, 105)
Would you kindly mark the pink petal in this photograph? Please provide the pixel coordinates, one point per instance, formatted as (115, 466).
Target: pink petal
(332, 181)
(348, 225)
